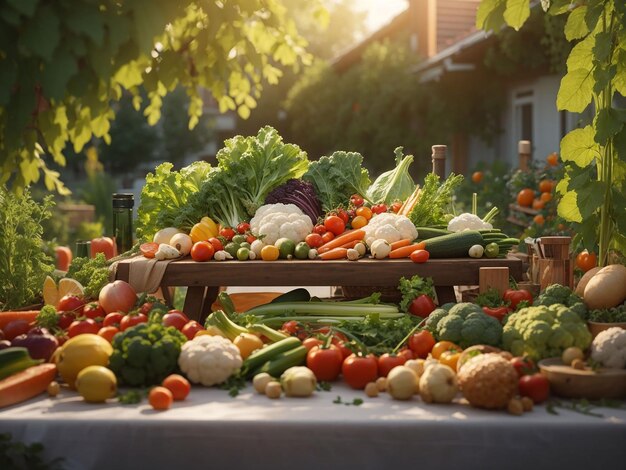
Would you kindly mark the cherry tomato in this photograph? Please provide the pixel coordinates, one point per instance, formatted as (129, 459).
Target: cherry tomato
(343, 215)
(15, 328)
(93, 310)
(250, 238)
(160, 398)
(325, 362)
(290, 327)
(108, 332)
(365, 212)
(131, 320)
(66, 319)
(535, 386)
(450, 358)
(386, 362)
(358, 371)
(334, 224)
(311, 342)
(178, 385)
(174, 319)
(406, 353)
(396, 206)
(70, 303)
(523, 365)
(356, 200)
(191, 328)
(553, 159)
(180, 312)
(328, 236)
(443, 346)
(514, 297)
(113, 319)
(243, 227)
(80, 327)
(146, 308)
(228, 233)
(149, 249)
(419, 256)
(422, 306)
(202, 251)
(217, 243)
(421, 343)
(319, 229)
(314, 240)
(359, 222)
(586, 260)
(379, 208)
(477, 177)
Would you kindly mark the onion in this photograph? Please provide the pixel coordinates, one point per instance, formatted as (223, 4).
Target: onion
(39, 342)
(118, 296)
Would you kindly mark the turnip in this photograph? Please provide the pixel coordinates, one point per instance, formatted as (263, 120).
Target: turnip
(402, 383)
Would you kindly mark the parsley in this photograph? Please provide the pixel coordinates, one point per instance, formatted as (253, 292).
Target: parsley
(354, 402)
(582, 406)
(234, 384)
(92, 273)
(380, 336)
(491, 298)
(132, 397)
(413, 288)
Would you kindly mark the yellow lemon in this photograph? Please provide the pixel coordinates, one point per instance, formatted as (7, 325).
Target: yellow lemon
(82, 351)
(68, 286)
(269, 253)
(96, 383)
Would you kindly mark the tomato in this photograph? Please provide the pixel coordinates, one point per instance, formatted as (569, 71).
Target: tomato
(496, 312)
(539, 219)
(15, 328)
(66, 319)
(180, 312)
(70, 303)
(80, 327)
(359, 222)
(523, 365)
(149, 249)
(477, 177)
(174, 319)
(450, 358)
(63, 257)
(217, 243)
(314, 240)
(202, 251)
(319, 229)
(290, 327)
(514, 297)
(146, 308)
(191, 328)
(118, 296)
(343, 347)
(93, 310)
(228, 233)
(356, 200)
(443, 346)
(358, 371)
(334, 224)
(421, 343)
(364, 211)
(178, 385)
(311, 342)
(379, 209)
(538, 204)
(113, 319)
(386, 362)
(422, 306)
(250, 238)
(406, 353)
(535, 386)
(243, 227)
(160, 398)
(104, 245)
(131, 320)
(419, 256)
(525, 197)
(586, 260)
(325, 362)
(343, 215)
(546, 186)
(553, 159)
(328, 236)
(396, 206)
(108, 332)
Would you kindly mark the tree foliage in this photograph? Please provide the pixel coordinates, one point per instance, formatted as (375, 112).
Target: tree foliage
(64, 64)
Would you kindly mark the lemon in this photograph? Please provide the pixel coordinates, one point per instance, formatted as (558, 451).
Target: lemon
(96, 384)
(269, 253)
(50, 292)
(69, 286)
(82, 351)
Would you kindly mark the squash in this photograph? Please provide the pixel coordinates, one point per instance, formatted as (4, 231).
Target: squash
(580, 287)
(607, 289)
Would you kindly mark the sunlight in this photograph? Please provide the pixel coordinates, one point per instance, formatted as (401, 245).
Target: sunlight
(380, 12)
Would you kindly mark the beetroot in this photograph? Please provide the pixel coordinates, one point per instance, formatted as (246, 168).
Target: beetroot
(39, 342)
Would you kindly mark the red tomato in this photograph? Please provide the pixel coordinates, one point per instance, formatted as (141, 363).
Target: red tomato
(104, 245)
(108, 332)
(70, 303)
(290, 327)
(149, 249)
(314, 240)
(93, 310)
(66, 319)
(80, 327)
(535, 386)
(228, 233)
(343, 215)
(523, 365)
(422, 306)
(319, 229)
(217, 243)
(243, 227)
(132, 320)
(191, 328)
(113, 319)
(406, 353)
(356, 200)
(250, 238)
(174, 310)
(146, 308)
(325, 362)
(63, 257)
(345, 350)
(514, 297)
(202, 251)
(358, 371)
(117, 296)
(311, 342)
(419, 256)
(386, 362)
(421, 343)
(15, 328)
(586, 261)
(176, 320)
(335, 224)
(379, 208)
(395, 207)
(328, 236)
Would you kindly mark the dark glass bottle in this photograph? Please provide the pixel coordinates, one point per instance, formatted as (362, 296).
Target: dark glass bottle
(123, 221)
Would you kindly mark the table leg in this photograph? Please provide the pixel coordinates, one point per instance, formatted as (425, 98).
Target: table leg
(445, 294)
(193, 302)
(209, 298)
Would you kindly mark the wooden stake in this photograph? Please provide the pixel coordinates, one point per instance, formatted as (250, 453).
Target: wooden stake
(496, 278)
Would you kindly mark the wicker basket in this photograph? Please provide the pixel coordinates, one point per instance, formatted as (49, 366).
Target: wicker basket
(387, 293)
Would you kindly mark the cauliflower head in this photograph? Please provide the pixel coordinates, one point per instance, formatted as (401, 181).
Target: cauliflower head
(609, 348)
(468, 221)
(389, 227)
(274, 221)
(209, 360)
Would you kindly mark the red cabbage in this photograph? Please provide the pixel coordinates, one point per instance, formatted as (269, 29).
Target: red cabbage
(298, 192)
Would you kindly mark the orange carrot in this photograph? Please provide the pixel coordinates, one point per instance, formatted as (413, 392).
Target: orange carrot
(342, 239)
(335, 253)
(26, 384)
(400, 243)
(348, 245)
(410, 202)
(9, 316)
(405, 251)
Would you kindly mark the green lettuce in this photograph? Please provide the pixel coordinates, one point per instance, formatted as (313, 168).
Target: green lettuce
(393, 185)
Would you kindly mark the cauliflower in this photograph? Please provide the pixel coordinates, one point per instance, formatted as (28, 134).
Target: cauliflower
(541, 331)
(464, 324)
(274, 221)
(389, 227)
(209, 360)
(609, 348)
(468, 221)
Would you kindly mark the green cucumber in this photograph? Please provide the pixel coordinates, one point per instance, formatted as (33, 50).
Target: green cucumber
(283, 361)
(424, 233)
(454, 245)
(263, 355)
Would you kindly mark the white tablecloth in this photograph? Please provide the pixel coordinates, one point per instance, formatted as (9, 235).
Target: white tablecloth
(210, 430)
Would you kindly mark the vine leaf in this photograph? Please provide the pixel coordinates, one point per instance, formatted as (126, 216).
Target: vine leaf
(619, 81)
(42, 35)
(580, 147)
(568, 207)
(581, 56)
(603, 46)
(516, 13)
(576, 27)
(608, 124)
(490, 15)
(575, 92)
(590, 198)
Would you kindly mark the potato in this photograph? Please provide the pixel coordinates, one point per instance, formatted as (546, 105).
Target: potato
(607, 289)
(580, 287)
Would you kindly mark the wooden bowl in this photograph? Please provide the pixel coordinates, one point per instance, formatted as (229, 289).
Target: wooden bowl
(565, 381)
(596, 327)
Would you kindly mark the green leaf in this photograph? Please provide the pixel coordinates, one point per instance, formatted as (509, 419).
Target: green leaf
(602, 77)
(41, 35)
(26, 7)
(581, 56)
(568, 207)
(490, 15)
(576, 27)
(594, 10)
(619, 81)
(590, 198)
(558, 7)
(129, 75)
(608, 124)
(516, 13)
(575, 92)
(57, 73)
(86, 19)
(8, 75)
(602, 47)
(580, 147)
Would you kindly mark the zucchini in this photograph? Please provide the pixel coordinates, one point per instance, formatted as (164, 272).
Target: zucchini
(424, 233)
(283, 361)
(268, 332)
(263, 355)
(454, 245)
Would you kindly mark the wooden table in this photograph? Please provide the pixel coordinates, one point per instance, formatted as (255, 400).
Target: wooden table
(203, 279)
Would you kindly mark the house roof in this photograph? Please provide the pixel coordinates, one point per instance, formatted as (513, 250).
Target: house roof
(456, 19)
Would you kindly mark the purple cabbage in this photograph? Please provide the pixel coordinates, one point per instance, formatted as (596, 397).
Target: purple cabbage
(298, 192)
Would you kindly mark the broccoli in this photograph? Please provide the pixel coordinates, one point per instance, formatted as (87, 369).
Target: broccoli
(146, 353)
(558, 294)
(542, 331)
(464, 324)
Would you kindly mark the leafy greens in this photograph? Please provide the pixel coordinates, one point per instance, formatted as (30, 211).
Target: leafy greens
(393, 185)
(434, 197)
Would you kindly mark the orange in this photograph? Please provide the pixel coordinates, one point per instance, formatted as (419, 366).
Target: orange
(545, 186)
(160, 398)
(525, 197)
(546, 197)
(538, 204)
(178, 385)
(539, 219)
(477, 177)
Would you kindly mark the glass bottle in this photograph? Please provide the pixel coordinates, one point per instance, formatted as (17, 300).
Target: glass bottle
(123, 221)
(83, 249)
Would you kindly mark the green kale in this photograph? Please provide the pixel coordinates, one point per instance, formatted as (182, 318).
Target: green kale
(92, 273)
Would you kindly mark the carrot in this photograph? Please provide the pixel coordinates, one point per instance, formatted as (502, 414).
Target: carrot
(26, 384)
(407, 206)
(335, 253)
(348, 245)
(400, 243)
(9, 316)
(342, 239)
(405, 251)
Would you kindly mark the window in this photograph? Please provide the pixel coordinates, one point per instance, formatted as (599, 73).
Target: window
(523, 115)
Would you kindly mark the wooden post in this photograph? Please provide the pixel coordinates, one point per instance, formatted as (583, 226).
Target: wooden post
(439, 160)
(496, 278)
(524, 150)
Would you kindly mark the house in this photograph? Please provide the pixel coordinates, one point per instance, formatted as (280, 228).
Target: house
(443, 34)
